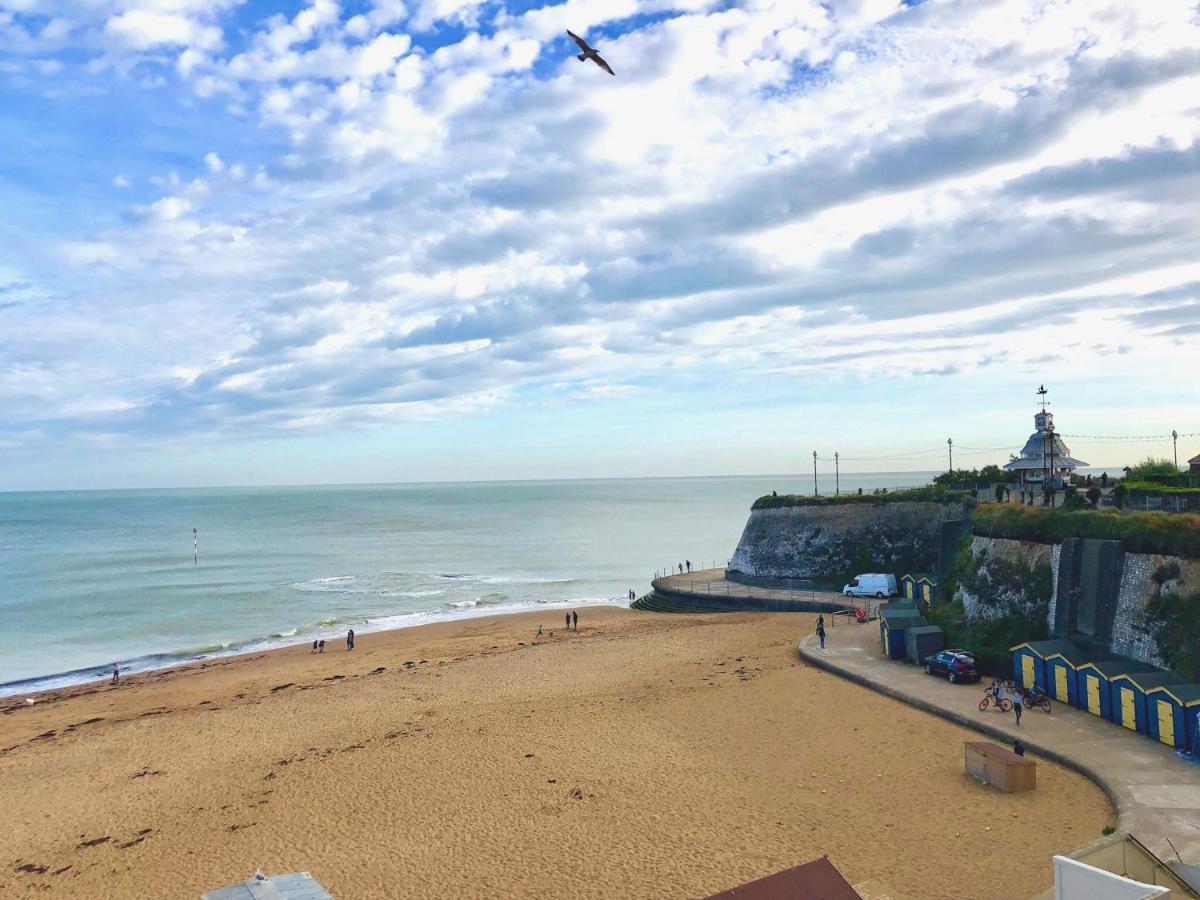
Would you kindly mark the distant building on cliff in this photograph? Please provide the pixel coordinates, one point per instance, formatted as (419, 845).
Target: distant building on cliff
(1045, 459)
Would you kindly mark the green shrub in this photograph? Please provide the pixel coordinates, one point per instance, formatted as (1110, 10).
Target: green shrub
(1162, 490)
(1151, 532)
(1173, 621)
(936, 494)
(1093, 495)
(1152, 466)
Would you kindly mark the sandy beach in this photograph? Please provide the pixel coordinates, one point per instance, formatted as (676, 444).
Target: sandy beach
(645, 756)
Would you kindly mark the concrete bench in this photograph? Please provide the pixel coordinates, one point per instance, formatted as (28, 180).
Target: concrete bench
(1000, 767)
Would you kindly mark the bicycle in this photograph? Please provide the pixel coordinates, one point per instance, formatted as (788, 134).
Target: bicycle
(1004, 704)
(1037, 699)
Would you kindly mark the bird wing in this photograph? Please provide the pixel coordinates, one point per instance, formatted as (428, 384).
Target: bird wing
(602, 64)
(583, 45)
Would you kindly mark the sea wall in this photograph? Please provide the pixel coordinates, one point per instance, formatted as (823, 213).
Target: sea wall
(829, 543)
(1095, 593)
(1004, 577)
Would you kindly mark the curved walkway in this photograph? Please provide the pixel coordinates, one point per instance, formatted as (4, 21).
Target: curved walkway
(1155, 792)
(709, 589)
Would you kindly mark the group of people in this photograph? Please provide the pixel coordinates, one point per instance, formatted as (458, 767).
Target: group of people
(572, 622)
(686, 562)
(1002, 688)
(319, 645)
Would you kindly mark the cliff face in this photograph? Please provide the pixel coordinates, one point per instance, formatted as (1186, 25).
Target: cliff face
(831, 543)
(1088, 591)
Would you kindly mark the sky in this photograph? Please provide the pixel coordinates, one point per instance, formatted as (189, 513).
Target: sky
(273, 242)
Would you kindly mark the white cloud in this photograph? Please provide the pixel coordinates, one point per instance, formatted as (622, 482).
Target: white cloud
(141, 29)
(765, 191)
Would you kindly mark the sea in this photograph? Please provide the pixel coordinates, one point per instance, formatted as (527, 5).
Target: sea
(155, 578)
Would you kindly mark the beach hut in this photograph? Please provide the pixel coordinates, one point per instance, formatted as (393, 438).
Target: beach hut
(1173, 715)
(1029, 661)
(892, 625)
(922, 641)
(1095, 684)
(927, 589)
(908, 586)
(1128, 696)
(1062, 667)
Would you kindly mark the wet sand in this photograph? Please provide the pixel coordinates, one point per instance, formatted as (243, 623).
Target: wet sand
(646, 756)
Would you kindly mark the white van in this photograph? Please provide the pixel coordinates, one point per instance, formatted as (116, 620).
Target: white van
(879, 586)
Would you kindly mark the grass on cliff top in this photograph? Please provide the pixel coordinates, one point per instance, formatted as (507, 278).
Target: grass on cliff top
(935, 494)
(1171, 534)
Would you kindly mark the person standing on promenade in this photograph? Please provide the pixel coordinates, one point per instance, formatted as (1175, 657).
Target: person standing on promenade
(1016, 698)
(689, 564)
(575, 619)
(821, 634)
(116, 673)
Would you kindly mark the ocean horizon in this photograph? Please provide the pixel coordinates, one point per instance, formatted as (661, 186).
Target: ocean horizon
(92, 577)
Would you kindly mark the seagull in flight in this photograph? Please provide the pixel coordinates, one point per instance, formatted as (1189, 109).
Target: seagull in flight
(589, 53)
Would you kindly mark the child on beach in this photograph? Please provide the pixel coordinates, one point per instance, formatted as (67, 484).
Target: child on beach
(116, 673)
(321, 646)
(539, 634)
(568, 621)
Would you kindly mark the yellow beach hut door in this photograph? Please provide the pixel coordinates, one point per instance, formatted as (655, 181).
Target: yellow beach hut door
(1060, 683)
(1128, 719)
(1027, 671)
(1166, 723)
(1093, 695)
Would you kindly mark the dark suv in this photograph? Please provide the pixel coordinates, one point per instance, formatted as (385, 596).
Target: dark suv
(957, 665)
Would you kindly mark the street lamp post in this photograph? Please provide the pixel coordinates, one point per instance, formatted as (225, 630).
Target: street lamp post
(816, 493)
(837, 475)
(950, 446)
(1175, 447)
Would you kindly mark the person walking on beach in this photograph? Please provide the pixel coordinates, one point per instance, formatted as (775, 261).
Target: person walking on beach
(314, 649)
(321, 646)
(575, 619)
(821, 634)
(539, 633)
(1017, 702)
(116, 673)
(350, 639)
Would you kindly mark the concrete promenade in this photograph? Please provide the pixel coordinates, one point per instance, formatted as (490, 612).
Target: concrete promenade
(712, 583)
(1155, 792)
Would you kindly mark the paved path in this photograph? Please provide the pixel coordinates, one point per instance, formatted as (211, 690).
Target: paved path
(712, 582)
(1155, 792)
